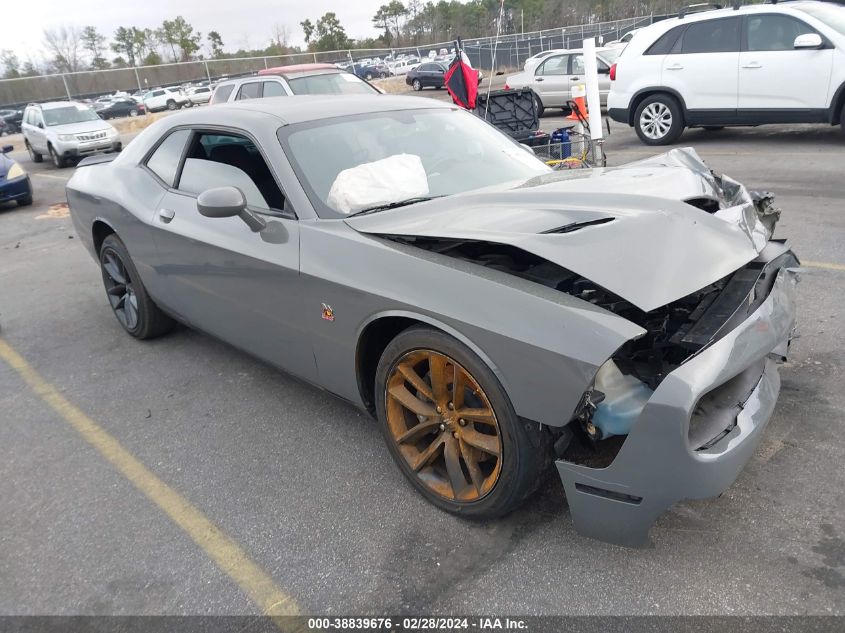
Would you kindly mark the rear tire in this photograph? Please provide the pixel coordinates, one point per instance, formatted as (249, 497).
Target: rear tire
(842, 118)
(136, 312)
(133, 112)
(171, 104)
(495, 465)
(35, 156)
(538, 106)
(659, 120)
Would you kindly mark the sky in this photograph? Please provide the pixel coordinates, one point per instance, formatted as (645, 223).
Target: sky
(241, 23)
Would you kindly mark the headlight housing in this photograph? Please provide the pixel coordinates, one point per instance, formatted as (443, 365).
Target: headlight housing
(15, 171)
(67, 137)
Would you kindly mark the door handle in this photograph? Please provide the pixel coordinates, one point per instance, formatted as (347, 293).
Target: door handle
(675, 67)
(166, 215)
(539, 78)
(752, 65)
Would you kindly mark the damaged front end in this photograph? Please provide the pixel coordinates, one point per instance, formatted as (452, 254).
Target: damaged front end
(685, 254)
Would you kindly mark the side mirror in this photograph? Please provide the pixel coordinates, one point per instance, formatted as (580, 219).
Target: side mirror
(40, 124)
(808, 40)
(6, 149)
(228, 202)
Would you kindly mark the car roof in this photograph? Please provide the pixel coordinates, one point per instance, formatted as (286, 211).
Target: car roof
(304, 108)
(698, 16)
(296, 68)
(52, 105)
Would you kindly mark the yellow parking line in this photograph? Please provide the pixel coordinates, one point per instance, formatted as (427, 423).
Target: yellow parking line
(227, 554)
(827, 265)
(53, 176)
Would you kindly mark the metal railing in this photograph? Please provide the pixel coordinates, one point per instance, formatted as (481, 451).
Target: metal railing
(509, 53)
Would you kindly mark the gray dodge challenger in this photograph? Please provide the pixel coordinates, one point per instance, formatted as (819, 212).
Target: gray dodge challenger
(495, 316)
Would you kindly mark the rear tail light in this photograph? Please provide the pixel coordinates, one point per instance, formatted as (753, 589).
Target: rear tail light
(507, 87)
(613, 72)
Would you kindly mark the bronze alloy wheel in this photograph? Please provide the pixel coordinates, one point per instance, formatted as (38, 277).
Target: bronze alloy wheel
(443, 425)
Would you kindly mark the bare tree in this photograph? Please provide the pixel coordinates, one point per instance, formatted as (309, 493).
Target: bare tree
(65, 45)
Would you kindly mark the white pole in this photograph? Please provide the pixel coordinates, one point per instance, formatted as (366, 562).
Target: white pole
(591, 77)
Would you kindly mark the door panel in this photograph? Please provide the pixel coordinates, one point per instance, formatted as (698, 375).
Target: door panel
(775, 75)
(240, 286)
(703, 65)
(551, 81)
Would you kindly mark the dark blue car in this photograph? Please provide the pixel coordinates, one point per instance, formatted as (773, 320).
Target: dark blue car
(14, 181)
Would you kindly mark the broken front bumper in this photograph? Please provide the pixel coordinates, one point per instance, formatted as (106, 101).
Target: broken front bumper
(732, 384)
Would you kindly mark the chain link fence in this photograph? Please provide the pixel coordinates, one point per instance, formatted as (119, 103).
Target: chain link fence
(508, 53)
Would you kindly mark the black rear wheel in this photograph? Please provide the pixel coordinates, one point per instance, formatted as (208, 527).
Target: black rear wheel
(135, 310)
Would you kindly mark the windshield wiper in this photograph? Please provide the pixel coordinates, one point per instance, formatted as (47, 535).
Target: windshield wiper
(395, 205)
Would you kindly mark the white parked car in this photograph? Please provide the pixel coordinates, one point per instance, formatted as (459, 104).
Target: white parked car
(535, 60)
(165, 99)
(402, 66)
(557, 73)
(200, 94)
(763, 63)
(622, 42)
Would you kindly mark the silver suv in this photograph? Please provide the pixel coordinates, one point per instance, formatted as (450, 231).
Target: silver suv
(65, 130)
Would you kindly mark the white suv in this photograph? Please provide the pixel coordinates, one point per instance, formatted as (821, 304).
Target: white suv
(165, 99)
(66, 130)
(750, 65)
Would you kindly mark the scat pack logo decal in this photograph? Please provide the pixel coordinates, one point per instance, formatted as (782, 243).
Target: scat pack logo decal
(327, 312)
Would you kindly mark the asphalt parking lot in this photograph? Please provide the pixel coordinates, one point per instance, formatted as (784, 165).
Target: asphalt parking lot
(300, 488)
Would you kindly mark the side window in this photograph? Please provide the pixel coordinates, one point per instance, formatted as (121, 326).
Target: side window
(578, 64)
(554, 65)
(665, 42)
(158, 93)
(221, 94)
(772, 32)
(251, 90)
(165, 160)
(712, 36)
(215, 160)
(274, 89)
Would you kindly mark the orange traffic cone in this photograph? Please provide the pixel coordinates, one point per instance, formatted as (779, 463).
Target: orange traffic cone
(579, 94)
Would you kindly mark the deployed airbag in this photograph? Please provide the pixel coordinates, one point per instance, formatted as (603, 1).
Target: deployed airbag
(380, 182)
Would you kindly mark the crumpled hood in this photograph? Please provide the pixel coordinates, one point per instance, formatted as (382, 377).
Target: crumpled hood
(626, 229)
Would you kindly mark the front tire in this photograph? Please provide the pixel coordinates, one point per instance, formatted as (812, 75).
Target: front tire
(451, 428)
(538, 106)
(35, 156)
(136, 312)
(58, 161)
(171, 104)
(133, 112)
(25, 202)
(659, 120)
(417, 85)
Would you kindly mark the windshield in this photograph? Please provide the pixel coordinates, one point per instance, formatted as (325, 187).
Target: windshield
(420, 153)
(832, 15)
(330, 84)
(69, 114)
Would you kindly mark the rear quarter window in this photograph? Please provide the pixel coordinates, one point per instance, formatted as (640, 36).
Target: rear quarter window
(665, 42)
(164, 161)
(712, 36)
(221, 94)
